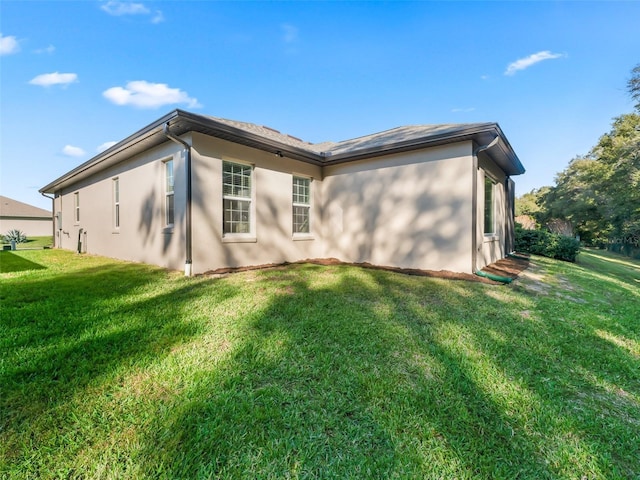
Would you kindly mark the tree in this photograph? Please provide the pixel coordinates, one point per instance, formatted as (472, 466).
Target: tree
(579, 198)
(633, 85)
(529, 209)
(527, 204)
(600, 193)
(619, 152)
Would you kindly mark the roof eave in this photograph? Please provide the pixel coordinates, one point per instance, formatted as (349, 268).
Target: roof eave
(237, 135)
(182, 122)
(480, 134)
(186, 122)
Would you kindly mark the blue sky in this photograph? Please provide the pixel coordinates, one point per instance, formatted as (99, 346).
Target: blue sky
(76, 75)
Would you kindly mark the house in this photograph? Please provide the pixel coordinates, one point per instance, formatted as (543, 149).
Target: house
(203, 193)
(30, 220)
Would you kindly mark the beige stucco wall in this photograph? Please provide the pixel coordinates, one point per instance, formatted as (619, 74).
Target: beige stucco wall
(491, 247)
(411, 210)
(407, 210)
(273, 241)
(142, 235)
(31, 227)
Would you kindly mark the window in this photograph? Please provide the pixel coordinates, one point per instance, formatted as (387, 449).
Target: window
(301, 204)
(116, 202)
(168, 193)
(236, 198)
(76, 203)
(489, 205)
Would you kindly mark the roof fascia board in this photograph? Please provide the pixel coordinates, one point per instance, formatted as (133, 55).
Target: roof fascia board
(25, 217)
(471, 133)
(193, 121)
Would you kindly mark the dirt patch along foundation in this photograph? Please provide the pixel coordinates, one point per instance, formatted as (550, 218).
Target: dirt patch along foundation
(508, 267)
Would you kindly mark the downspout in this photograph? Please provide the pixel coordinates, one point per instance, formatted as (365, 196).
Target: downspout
(187, 148)
(53, 216)
(509, 221)
(474, 202)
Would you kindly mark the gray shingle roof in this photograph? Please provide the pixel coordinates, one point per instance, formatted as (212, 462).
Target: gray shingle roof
(266, 132)
(375, 140)
(395, 140)
(13, 208)
(393, 136)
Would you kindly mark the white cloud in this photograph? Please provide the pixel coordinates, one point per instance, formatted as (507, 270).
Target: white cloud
(115, 8)
(158, 17)
(48, 79)
(118, 9)
(464, 110)
(8, 45)
(143, 94)
(527, 62)
(289, 33)
(50, 49)
(71, 151)
(105, 146)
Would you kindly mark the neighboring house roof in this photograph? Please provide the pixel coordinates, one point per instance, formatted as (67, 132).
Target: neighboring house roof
(13, 208)
(326, 153)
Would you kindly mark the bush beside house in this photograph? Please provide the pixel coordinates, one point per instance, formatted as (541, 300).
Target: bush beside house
(547, 244)
(14, 235)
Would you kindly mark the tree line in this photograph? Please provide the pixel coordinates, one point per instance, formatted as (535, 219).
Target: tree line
(597, 197)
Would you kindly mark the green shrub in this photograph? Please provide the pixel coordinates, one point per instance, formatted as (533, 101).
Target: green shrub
(14, 235)
(547, 244)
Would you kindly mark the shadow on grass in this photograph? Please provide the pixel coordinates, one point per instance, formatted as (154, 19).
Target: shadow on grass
(12, 263)
(361, 384)
(317, 393)
(64, 333)
(342, 373)
(612, 265)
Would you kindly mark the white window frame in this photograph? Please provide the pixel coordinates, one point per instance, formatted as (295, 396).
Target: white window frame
(76, 208)
(250, 235)
(489, 227)
(169, 194)
(116, 203)
(297, 204)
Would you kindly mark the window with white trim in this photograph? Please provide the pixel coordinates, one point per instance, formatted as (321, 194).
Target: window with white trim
(116, 203)
(236, 197)
(76, 204)
(301, 205)
(489, 205)
(169, 210)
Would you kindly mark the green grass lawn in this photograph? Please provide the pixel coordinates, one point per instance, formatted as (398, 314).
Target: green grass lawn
(117, 370)
(35, 243)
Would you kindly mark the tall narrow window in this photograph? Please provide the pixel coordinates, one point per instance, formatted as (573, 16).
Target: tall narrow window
(489, 206)
(116, 202)
(76, 203)
(301, 205)
(236, 198)
(168, 193)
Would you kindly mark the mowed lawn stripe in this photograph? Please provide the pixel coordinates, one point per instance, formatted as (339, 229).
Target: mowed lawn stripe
(111, 369)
